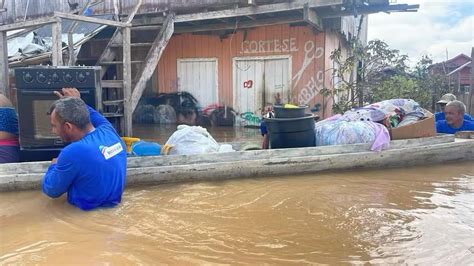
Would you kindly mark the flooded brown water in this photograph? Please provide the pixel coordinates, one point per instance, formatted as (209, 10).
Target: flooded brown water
(421, 215)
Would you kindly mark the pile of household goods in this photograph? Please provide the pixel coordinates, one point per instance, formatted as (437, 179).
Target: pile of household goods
(186, 140)
(189, 140)
(182, 108)
(372, 124)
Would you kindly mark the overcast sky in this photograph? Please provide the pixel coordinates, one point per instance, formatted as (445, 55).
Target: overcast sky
(436, 27)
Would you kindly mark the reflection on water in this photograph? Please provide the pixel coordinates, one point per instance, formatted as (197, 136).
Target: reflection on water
(418, 216)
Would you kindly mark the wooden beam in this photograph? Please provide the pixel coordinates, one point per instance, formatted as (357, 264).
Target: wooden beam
(109, 54)
(241, 25)
(152, 59)
(70, 49)
(148, 27)
(91, 20)
(57, 52)
(127, 83)
(70, 41)
(372, 10)
(116, 5)
(255, 10)
(133, 12)
(4, 88)
(22, 32)
(29, 23)
(310, 16)
(471, 87)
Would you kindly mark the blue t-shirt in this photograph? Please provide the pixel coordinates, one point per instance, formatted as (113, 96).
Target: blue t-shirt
(92, 170)
(443, 127)
(8, 120)
(440, 116)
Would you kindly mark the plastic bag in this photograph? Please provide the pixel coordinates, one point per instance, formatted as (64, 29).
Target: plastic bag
(339, 132)
(189, 140)
(226, 148)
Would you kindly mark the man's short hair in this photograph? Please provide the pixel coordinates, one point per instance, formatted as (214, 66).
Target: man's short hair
(459, 105)
(72, 110)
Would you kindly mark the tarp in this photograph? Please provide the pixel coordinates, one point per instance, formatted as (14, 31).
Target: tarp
(38, 42)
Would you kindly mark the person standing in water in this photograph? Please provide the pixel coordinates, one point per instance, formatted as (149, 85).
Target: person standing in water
(445, 99)
(455, 121)
(9, 146)
(92, 168)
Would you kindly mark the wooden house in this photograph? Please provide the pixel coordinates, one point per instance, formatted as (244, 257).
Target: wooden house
(235, 53)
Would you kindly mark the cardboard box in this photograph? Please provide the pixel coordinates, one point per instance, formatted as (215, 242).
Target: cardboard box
(421, 129)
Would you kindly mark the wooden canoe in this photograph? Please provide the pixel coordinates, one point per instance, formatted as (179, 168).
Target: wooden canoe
(263, 163)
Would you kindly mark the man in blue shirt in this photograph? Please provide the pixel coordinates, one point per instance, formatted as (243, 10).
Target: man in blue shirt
(455, 121)
(448, 97)
(92, 168)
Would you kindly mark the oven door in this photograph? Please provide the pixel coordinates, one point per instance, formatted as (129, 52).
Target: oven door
(34, 117)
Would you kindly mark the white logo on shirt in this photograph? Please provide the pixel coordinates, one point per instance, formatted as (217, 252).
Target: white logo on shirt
(111, 151)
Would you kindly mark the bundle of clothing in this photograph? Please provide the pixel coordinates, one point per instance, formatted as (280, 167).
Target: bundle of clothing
(368, 124)
(391, 113)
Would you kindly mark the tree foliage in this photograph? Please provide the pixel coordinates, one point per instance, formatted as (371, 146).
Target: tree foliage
(376, 72)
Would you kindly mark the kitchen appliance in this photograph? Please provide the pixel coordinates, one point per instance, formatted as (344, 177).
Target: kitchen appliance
(35, 94)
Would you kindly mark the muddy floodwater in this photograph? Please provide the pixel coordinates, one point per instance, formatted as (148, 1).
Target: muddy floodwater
(421, 215)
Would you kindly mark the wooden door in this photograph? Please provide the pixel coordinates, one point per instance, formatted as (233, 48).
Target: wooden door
(199, 77)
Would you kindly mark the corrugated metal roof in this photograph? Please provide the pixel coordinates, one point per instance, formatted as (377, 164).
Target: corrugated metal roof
(37, 43)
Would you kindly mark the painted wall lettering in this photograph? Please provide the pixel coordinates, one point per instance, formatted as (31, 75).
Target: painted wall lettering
(311, 89)
(310, 52)
(248, 84)
(268, 46)
(314, 85)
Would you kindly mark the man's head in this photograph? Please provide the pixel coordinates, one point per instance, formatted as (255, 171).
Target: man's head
(70, 119)
(454, 112)
(445, 99)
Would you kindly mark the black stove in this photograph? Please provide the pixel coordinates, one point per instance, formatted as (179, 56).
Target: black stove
(35, 94)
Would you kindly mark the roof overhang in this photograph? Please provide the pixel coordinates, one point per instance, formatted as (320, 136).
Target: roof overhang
(467, 64)
(312, 12)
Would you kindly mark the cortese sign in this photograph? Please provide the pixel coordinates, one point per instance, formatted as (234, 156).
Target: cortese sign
(269, 46)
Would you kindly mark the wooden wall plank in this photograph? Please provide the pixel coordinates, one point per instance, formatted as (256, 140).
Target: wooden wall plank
(4, 89)
(57, 54)
(225, 49)
(127, 83)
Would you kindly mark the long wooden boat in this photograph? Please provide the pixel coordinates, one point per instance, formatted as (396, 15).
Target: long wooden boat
(263, 163)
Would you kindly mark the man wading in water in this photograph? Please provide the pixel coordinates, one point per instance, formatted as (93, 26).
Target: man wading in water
(92, 168)
(454, 112)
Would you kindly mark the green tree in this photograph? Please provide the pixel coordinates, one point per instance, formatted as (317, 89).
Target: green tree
(436, 84)
(375, 72)
(401, 87)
